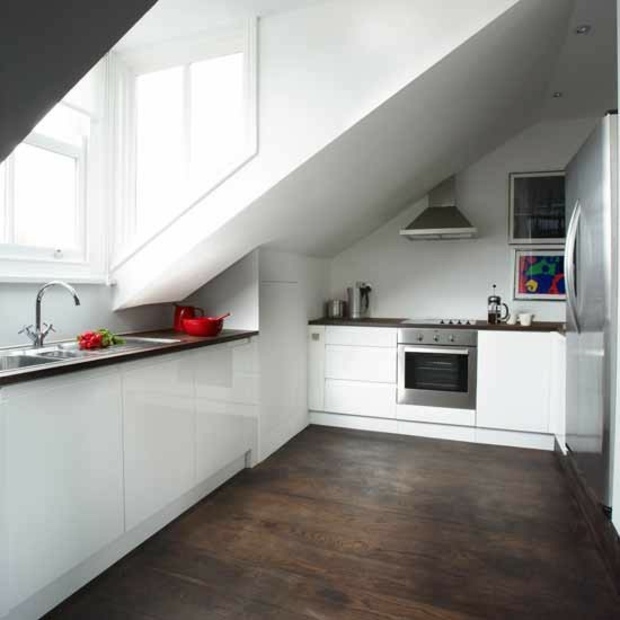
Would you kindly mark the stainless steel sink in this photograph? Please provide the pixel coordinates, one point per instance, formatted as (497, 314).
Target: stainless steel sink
(60, 354)
(72, 349)
(15, 362)
(15, 359)
(130, 343)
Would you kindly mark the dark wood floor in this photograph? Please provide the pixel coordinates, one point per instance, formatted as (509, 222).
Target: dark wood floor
(350, 525)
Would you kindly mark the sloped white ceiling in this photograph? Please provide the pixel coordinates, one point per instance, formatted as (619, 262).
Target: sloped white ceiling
(586, 73)
(485, 91)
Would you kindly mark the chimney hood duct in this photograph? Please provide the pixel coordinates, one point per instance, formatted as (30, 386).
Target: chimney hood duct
(441, 220)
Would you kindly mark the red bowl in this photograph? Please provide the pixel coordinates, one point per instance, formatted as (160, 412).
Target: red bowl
(203, 326)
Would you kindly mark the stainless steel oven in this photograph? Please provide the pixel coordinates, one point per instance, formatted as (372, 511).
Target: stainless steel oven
(437, 367)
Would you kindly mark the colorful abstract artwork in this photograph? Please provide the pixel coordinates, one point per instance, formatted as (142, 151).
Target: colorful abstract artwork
(539, 275)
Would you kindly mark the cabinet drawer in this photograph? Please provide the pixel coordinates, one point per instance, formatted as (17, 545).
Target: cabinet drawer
(361, 336)
(436, 415)
(377, 400)
(374, 364)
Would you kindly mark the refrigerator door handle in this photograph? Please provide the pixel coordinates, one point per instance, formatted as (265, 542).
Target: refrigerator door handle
(569, 264)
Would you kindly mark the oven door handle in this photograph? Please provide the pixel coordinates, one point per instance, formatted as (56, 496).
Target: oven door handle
(441, 350)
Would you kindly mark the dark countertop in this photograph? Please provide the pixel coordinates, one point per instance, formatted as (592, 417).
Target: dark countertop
(185, 344)
(536, 326)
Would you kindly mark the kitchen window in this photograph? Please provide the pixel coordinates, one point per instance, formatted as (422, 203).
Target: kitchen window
(189, 122)
(48, 200)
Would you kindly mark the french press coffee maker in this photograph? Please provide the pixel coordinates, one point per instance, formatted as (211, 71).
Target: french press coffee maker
(495, 308)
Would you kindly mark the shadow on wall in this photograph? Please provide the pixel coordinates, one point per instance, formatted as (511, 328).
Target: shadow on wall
(453, 278)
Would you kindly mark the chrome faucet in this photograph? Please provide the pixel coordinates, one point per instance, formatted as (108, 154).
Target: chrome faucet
(38, 334)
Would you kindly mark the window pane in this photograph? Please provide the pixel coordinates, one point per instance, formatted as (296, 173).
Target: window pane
(160, 165)
(218, 124)
(45, 198)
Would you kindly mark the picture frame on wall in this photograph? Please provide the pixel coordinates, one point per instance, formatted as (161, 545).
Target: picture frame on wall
(539, 274)
(537, 209)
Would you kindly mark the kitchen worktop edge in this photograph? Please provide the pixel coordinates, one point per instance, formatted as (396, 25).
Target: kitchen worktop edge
(537, 326)
(185, 343)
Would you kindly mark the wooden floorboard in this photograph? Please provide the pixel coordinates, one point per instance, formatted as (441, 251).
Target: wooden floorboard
(348, 525)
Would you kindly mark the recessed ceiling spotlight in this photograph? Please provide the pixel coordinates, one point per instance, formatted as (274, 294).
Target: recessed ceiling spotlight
(557, 94)
(583, 29)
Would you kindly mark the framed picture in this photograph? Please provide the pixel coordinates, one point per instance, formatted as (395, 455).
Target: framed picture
(537, 208)
(539, 274)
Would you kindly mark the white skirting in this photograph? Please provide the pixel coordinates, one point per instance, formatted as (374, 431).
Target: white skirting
(536, 441)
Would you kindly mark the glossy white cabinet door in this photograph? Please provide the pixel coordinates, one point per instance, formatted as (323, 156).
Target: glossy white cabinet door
(159, 427)
(514, 377)
(361, 336)
(226, 380)
(316, 368)
(63, 495)
(224, 432)
(373, 364)
(228, 372)
(377, 400)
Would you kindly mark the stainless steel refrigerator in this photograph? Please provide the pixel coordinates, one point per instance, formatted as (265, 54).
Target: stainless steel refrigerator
(590, 256)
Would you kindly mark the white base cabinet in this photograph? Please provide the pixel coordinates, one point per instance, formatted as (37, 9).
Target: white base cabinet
(159, 428)
(514, 381)
(93, 463)
(316, 368)
(557, 413)
(227, 397)
(376, 400)
(520, 387)
(367, 364)
(352, 370)
(63, 493)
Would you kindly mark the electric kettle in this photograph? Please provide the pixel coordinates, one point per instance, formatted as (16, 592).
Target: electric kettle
(359, 300)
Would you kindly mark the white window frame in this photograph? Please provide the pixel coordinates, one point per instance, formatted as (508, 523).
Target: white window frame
(17, 252)
(128, 64)
(89, 262)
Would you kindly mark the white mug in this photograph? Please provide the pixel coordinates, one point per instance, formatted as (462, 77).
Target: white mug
(511, 320)
(526, 319)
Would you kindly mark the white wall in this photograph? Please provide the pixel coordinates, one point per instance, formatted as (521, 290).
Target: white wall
(276, 293)
(453, 278)
(234, 291)
(292, 289)
(322, 68)
(17, 307)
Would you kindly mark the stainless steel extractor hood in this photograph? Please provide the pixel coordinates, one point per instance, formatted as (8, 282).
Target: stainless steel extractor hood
(441, 220)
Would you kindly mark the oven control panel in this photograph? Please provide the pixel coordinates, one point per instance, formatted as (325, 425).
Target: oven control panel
(438, 337)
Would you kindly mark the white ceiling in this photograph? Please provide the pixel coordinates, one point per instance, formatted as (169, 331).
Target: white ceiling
(493, 86)
(585, 72)
(170, 19)
(464, 106)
